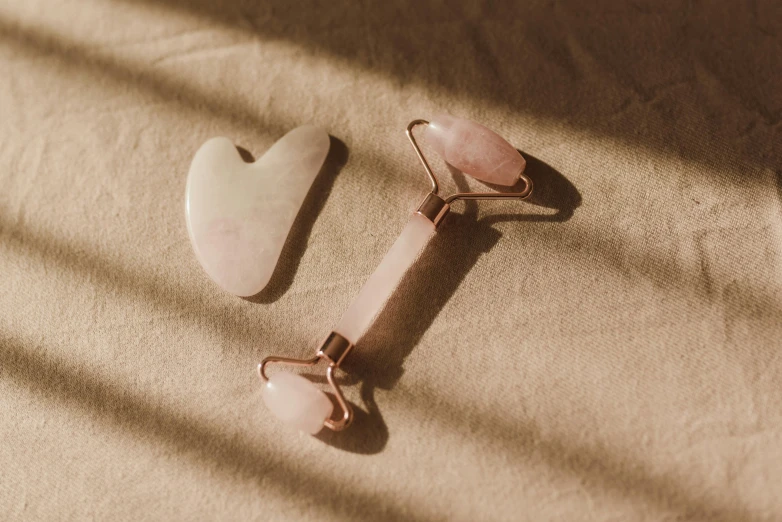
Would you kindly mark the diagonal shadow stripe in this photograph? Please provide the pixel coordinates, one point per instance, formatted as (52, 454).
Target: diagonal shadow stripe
(75, 387)
(587, 65)
(113, 277)
(620, 475)
(84, 58)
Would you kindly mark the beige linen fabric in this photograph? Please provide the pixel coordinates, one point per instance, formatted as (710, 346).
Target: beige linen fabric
(610, 352)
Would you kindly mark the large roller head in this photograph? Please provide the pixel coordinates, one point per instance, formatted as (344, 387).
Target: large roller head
(475, 150)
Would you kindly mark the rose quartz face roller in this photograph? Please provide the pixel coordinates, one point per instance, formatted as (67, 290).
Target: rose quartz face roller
(466, 145)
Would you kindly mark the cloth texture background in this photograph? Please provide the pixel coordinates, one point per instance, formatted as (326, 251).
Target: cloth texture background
(609, 351)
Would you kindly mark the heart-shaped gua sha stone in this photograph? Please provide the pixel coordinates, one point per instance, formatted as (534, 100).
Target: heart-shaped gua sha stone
(475, 150)
(239, 214)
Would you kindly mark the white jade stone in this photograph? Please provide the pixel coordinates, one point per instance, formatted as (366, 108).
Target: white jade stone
(239, 214)
(297, 402)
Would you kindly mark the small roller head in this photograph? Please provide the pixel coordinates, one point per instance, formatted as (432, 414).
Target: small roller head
(297, 402)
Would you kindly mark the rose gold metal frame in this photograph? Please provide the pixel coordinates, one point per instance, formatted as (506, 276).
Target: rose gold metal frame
(333, 350)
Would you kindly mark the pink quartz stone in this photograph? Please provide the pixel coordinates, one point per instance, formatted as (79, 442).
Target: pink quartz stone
(297, 402)
(381, 284)
(239, 214)
(475, 150)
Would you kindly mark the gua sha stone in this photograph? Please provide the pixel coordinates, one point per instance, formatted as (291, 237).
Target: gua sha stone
(239, 214)
(475, 150)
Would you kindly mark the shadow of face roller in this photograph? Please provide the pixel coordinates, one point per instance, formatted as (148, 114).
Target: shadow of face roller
(377, 361)
(551, 190)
